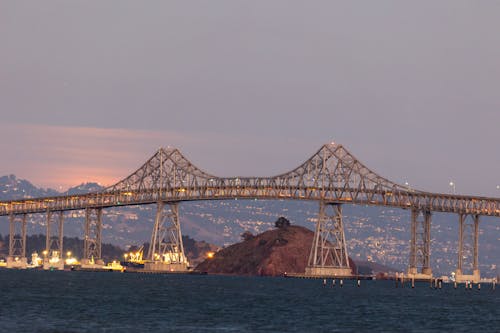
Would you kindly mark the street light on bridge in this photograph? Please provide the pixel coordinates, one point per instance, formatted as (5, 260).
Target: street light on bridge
(452, 185)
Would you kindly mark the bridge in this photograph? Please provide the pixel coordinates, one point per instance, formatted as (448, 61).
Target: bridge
(332, 176)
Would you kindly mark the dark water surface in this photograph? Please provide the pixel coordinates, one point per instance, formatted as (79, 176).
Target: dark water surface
(44, 301)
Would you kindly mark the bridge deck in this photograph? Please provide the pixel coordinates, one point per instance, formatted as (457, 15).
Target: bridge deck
(406, 200)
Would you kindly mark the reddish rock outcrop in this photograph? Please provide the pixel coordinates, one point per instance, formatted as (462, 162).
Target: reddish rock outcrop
(271, 253)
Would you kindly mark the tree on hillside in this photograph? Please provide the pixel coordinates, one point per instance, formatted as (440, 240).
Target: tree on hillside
(247, 235)
(282, 222)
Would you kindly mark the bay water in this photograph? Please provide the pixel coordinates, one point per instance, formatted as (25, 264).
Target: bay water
(53, 301)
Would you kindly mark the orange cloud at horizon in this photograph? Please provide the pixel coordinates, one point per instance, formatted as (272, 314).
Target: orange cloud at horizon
(61, 157)
(71, 176)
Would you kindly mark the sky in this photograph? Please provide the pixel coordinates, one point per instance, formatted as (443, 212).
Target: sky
(89, 90)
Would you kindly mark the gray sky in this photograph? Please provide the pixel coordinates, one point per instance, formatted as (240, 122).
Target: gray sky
(90, 89)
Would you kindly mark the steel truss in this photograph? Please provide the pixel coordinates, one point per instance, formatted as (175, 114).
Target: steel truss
(17, 236)
(468, 245)
(54, 236)
(166, 240)
(93, 229)
(328, 256)
(333, 174)
(420, 244)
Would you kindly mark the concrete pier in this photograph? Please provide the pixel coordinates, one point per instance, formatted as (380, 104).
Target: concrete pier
(328, 272)
(475, 277)
(164, 267)
(17, 262)
(47, 265)
(414, 275)
(92, 265)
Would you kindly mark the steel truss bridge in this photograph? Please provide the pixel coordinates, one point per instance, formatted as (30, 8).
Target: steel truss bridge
(332, 176)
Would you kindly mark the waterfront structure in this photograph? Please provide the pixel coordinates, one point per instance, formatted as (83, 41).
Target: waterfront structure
(332, 176)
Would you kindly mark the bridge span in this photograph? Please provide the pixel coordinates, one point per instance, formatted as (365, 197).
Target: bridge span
(332, 176)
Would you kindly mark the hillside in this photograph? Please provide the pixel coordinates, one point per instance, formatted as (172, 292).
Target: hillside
(271, 253)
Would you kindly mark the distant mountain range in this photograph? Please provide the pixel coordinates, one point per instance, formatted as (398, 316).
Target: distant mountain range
(12, 188)
(375, 234)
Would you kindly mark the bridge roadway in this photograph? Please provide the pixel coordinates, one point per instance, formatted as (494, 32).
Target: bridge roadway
(258, 188)
(332, 176)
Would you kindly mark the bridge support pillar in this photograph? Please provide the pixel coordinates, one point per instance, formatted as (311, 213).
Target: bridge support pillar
(166, 250)
(468, 248)
(420, 245)
(17, 242)
(92, 240)
(53, 254)
(328, 256)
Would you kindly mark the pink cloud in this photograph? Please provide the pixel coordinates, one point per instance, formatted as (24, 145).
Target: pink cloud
(59, 156)
(65, 156)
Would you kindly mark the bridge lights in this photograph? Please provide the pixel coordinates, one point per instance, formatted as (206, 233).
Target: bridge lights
(69, 260)
(452, 185)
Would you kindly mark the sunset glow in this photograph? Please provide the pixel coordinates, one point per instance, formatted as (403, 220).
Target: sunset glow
(61, 157)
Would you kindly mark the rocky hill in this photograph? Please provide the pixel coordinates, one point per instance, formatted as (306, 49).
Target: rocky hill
(271, 253)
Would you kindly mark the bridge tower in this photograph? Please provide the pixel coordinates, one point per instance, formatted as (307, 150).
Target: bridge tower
(328, 256)
(53, 254)
(468, 248)
(166, 250)
(92, 240)
(17, 241)
(420, 244)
